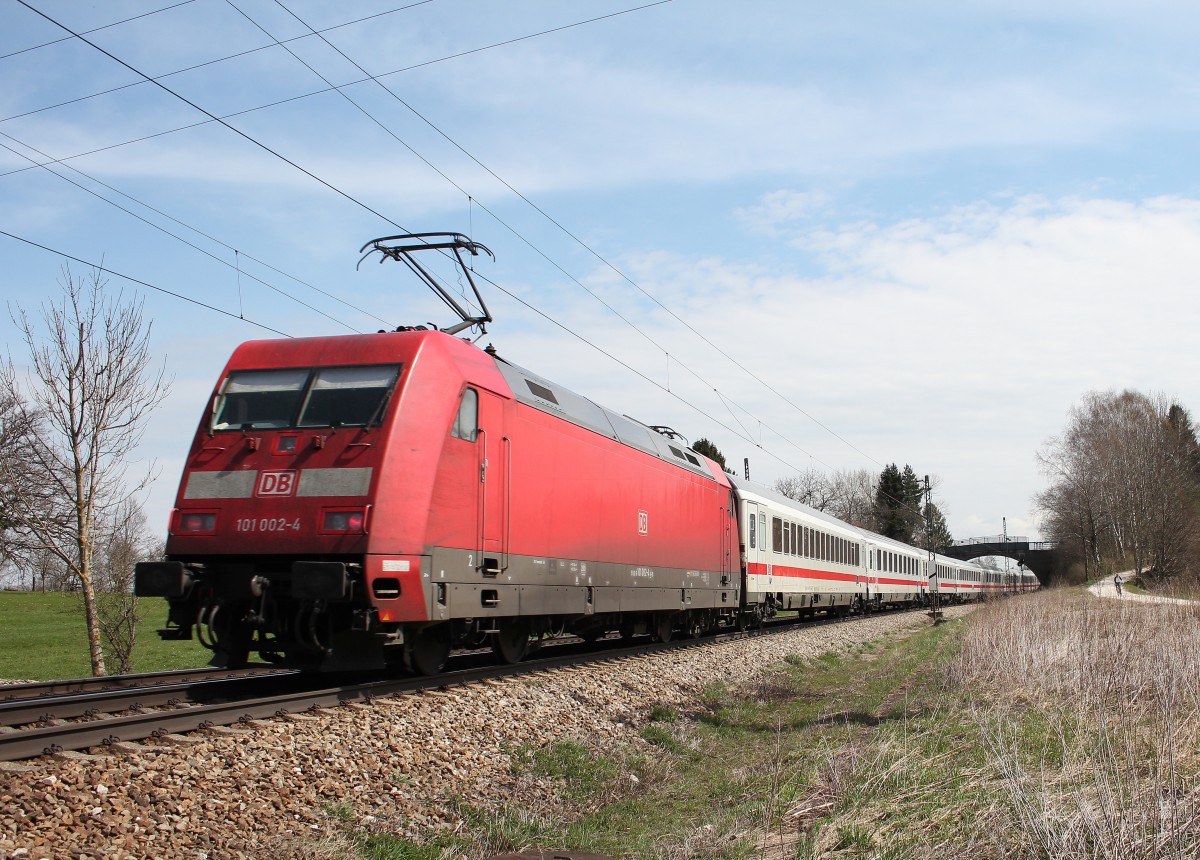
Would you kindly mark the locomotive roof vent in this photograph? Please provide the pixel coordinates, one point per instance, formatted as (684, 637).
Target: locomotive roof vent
(402, 249)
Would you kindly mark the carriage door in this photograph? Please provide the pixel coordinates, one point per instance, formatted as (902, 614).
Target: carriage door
(754, 533)
(728, 524)
(495, 461)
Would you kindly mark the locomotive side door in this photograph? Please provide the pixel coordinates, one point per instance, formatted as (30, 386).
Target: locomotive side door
(495, 461)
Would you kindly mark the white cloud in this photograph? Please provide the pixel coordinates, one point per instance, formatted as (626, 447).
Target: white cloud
(777, 209)
(955, 343)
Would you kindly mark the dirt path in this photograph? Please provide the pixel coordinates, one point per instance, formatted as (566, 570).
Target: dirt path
(1107, 588)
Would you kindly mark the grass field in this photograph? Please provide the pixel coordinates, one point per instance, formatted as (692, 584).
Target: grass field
(43, 637)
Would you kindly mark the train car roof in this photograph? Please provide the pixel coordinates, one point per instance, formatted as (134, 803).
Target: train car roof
(538, 392)
(744, 486)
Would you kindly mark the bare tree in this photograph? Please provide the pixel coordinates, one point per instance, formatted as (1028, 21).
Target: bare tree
(122, 541)
(1123, 484)
(811, 487)
(848, 494)
(854, 497)
(17, 477)
(90, 388)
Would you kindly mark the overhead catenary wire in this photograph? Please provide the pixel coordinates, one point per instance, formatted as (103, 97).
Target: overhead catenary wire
(215, 118)
(414, 66)
(708, 341)
(100, 267)
(97, 29)
(175, 236)
(648, 379)
(470, 197)
(193, 68)
(344, 194)
(51, 162)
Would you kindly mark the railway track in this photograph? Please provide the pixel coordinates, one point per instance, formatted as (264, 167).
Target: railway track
(67, 716)
(38, 689)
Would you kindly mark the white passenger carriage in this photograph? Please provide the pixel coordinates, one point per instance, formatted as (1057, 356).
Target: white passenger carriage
(897, 574)
(956, 581)
(797, 557)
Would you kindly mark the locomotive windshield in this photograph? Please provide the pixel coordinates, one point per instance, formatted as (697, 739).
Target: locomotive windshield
(303, 397)
(348, 396)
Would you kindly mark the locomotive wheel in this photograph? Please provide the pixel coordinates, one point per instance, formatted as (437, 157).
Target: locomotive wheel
(664, 626)
(511, 642)
(429, 649)
(695, 626)
(231, 641)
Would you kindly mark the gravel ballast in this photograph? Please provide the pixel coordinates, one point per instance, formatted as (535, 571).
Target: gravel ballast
(288, 787)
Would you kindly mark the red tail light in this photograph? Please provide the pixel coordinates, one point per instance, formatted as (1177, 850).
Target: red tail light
(349, 522)
(196, 523)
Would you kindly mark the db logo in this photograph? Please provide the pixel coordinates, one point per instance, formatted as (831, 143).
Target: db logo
(276, 484)
(643, 523)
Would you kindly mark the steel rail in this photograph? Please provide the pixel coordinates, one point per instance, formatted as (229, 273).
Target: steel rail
(32, 741)
(35, 689)
(90, 703)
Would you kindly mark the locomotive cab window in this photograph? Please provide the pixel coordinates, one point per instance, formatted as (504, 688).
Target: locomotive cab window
(466, 421)
(326, 397)
(259, 399)
(348, 396)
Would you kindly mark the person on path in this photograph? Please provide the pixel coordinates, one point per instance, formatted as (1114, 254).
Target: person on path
(1117, 583)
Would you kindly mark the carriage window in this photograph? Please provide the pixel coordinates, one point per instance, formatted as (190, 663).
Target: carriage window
(466, 422)
(260, 399)
(753, 530)
(776, 534)
(348, 396)
(795, 539)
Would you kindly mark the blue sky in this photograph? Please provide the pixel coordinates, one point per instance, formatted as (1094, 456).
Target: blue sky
(929, 227)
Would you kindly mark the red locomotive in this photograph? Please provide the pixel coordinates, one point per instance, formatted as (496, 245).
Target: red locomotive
(360, 501)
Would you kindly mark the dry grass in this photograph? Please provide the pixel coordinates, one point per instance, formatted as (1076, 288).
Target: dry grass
(1090, 712)
(1050, 726)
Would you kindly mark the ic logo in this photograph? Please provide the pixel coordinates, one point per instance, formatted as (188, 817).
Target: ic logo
(643, 523)
(276, 484)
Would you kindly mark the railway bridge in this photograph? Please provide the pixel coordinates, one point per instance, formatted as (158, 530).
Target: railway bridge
(1038, 556)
